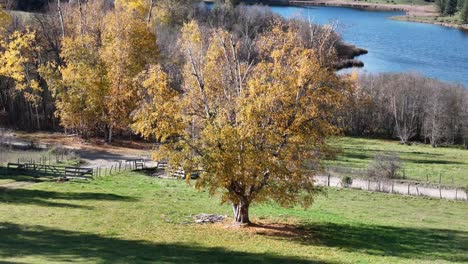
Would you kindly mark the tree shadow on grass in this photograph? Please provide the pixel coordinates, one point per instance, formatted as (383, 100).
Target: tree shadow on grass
(369, 154)
(439, 162)
(68, 246)
(410, 243)
(19, 176)
(43, 198)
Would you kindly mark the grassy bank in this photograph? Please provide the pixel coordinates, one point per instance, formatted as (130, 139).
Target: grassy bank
(446, 21)
(136, 219)
(421, 162)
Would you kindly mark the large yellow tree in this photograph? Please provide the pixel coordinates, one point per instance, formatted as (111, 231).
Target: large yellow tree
(128, 46)
(256, 130)
(95, 88)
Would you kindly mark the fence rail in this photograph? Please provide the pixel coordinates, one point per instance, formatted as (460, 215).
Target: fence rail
(53, 170)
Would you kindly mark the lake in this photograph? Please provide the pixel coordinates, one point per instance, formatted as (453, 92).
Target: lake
(396, 46)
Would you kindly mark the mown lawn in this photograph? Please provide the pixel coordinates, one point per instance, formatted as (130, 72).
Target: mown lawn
(131, 218)
(420, 162)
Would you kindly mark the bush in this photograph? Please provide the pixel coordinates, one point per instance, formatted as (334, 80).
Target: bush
(385, 166)
(346, 181)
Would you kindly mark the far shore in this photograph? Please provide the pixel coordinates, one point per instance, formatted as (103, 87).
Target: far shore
(434, 22)
(413, 13)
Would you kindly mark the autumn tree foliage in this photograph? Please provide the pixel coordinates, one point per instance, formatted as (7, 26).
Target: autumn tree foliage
(95, 85)
(248, 125)
(19, 56)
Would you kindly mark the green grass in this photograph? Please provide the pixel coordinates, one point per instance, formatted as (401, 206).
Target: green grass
(421, 162)
(38, 157)
(455, 19)
(137, 219)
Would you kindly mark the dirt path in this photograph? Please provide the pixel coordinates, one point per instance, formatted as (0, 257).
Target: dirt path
(94, 153)
(395, 187)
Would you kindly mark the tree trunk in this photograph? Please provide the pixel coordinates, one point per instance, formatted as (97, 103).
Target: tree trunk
(148, 18)
(62, 27)
(109, 139)
(241, 213)
(38, 121)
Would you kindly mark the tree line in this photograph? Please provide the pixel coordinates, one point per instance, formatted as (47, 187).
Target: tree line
(77, 65)
(408, 107)
(451, 7)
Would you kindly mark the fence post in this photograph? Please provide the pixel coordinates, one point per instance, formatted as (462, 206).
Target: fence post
(328, 180)
(409, 183)
(440, 188)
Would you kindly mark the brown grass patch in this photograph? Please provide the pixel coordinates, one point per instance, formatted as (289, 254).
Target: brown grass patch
(291, 230)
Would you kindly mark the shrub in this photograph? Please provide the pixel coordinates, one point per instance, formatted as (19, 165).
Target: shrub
(385, 166)
(346, 181)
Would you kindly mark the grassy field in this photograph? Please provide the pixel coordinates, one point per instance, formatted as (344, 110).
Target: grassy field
(421, 162)
(137, 219)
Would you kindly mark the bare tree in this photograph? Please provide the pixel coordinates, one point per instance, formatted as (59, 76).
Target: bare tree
(436, 116)
(60, 15)
(405, 94)
(385, 166)
(464, 120)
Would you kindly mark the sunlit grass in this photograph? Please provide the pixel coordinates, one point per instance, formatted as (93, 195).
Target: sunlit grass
(421, 162)
(137, 219)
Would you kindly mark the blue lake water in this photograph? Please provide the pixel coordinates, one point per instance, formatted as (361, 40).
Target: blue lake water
(396, 46)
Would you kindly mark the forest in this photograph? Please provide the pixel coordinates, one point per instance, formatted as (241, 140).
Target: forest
(75, 67)
(240, 103)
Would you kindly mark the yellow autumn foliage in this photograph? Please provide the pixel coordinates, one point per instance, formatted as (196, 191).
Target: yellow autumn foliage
(95, 87)
(249, 127)
(5, 20)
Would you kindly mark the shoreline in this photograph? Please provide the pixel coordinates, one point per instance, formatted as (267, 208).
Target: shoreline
(419, 20)
(413, 12)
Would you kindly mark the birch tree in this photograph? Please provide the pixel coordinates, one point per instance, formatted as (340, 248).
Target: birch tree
(249, 126)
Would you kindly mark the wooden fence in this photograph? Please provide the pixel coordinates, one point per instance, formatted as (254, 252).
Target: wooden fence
(52, 170)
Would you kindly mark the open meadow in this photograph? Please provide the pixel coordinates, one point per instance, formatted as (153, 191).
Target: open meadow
(133, 218)
(420, 162)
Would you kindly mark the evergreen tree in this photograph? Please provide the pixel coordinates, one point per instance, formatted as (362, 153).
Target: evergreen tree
(441, 6)
(464, 12)
(460, 4)
(450, 7)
